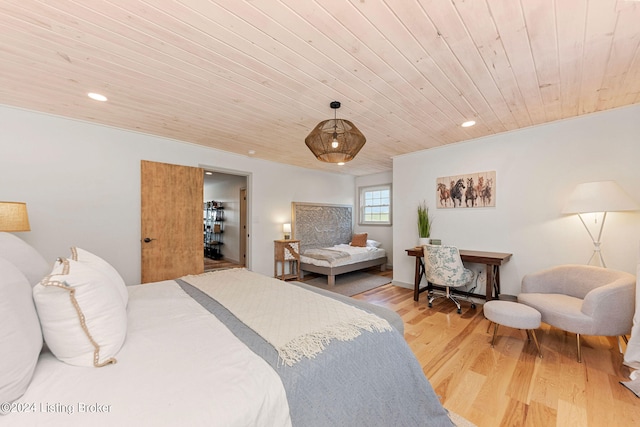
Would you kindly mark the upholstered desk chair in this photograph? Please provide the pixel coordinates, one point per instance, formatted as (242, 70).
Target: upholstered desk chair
(443, 267)
(582, 299)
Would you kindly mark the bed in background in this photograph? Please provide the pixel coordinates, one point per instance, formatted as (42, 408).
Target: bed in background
(325, 232)
(211, 349)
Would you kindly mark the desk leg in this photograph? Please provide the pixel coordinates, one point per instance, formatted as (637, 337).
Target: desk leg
(489, 291)
(416, 280)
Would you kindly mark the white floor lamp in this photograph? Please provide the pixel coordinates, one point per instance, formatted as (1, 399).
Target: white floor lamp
(596, 197)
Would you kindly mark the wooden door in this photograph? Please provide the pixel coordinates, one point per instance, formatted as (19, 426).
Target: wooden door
(171, 212)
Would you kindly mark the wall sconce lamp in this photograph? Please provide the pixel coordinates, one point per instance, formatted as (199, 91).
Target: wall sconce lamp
(13, 217)
(596, 197)
(286, 229)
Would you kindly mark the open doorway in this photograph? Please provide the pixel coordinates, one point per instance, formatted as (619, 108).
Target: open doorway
(225, 219)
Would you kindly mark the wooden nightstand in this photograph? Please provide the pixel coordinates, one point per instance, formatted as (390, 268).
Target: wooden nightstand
(287, 252)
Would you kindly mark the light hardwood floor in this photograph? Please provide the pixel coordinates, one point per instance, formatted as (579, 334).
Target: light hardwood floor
(219, 264)
(509, 385)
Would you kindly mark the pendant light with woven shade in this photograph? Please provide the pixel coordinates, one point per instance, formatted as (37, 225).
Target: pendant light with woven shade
(335, 140)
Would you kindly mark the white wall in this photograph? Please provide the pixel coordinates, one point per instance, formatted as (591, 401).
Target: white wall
(537, 168)
(381, 233)
(81, 183)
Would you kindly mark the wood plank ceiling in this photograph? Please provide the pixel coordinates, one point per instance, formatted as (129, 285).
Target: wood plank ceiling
(260, 74)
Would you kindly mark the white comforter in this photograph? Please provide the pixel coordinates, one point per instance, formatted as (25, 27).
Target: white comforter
(356, 254)
(179, 366)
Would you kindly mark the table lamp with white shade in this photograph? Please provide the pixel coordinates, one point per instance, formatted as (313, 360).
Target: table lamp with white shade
(286, 229)
(598, 197)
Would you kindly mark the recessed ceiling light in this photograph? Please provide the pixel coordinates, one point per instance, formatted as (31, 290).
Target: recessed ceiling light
(208, 173)
(468, 123)
(340, 163)
(97, 96)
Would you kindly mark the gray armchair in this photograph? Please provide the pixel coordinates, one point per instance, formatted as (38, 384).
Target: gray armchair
(582, 299)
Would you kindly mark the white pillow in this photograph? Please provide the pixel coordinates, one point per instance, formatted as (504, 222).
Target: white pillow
(94, 261)
(83, 320)
(373, 244)
(24, 256)
(20, 335)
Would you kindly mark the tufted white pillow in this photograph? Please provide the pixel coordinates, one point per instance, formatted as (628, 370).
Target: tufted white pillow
(83, 320)
(94, 261)
(20, 336)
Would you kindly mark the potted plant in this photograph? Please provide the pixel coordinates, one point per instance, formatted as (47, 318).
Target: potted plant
(424, 224)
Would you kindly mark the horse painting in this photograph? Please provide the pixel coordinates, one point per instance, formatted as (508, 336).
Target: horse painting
(479, 187)
(485, 195)
(456, 192)
(470, 194)
(445, 194)
(478, 190)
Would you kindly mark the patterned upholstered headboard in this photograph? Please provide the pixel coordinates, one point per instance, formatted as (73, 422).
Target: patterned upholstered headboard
(319, 225)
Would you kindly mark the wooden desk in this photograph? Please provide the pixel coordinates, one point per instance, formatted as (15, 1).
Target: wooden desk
(493, 261)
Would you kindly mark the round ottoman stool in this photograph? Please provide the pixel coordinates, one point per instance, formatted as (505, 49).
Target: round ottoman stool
(514, 315)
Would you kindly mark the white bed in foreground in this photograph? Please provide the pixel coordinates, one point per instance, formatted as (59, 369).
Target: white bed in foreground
(197, 351)
(179, 366)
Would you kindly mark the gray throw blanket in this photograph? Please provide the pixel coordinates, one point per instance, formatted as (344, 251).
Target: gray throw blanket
(262, 302)
(372, 381)
(326, 254)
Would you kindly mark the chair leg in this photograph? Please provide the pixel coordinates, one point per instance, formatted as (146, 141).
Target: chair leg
(489, 325)
(455, 301)
(432, 297)
(495, 332)
(535, 340)
(578, 343)
(626, 341)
